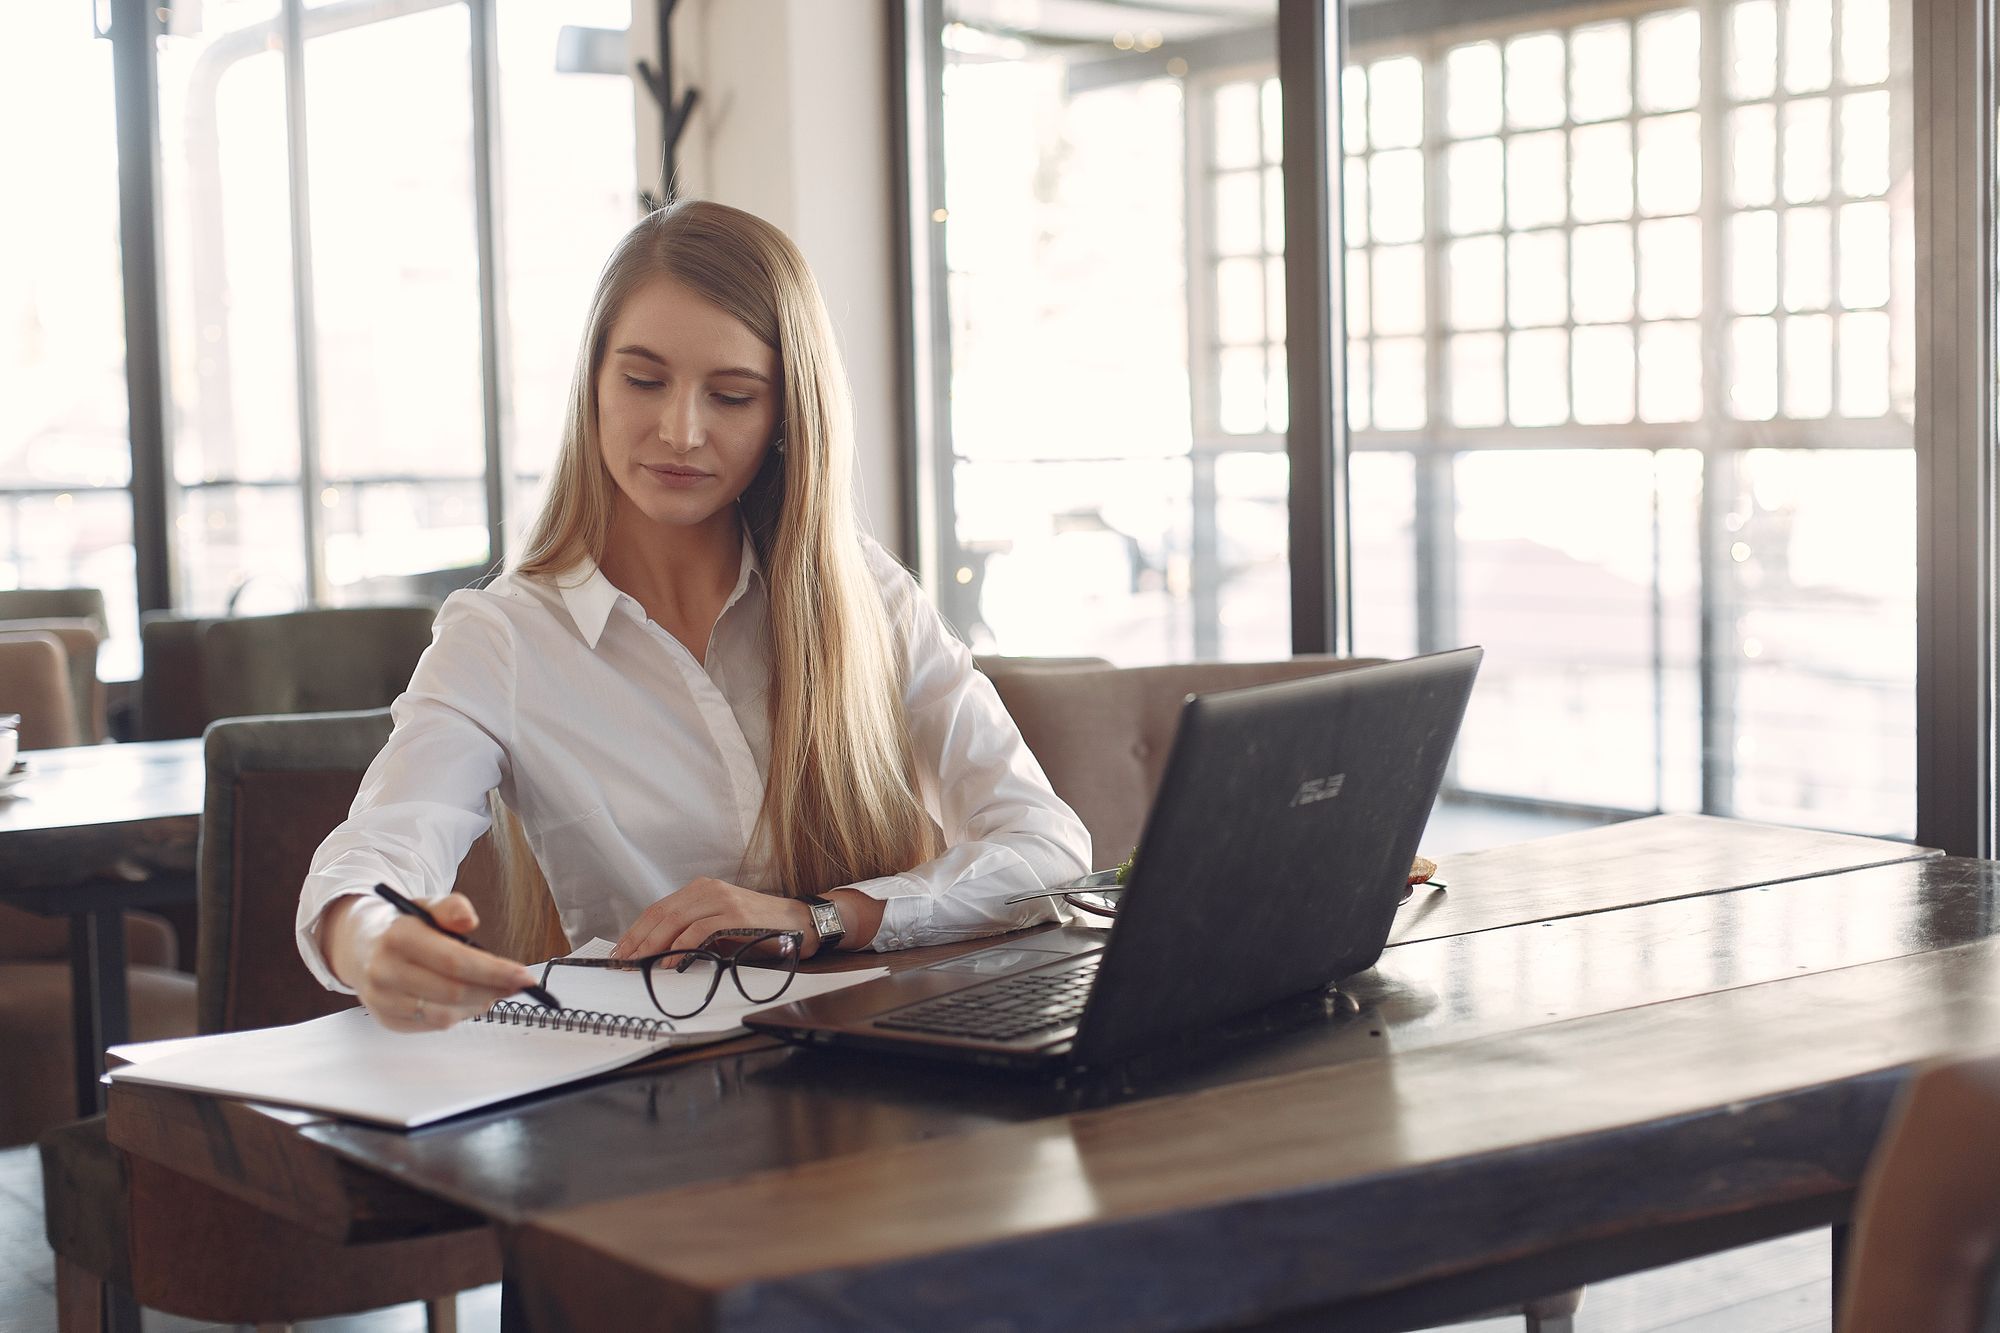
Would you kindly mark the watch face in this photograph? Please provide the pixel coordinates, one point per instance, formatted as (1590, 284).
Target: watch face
(826, 920)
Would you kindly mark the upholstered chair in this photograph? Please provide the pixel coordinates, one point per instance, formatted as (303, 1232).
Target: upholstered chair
(320, 661)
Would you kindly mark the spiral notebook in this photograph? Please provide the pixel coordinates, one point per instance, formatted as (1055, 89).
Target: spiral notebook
(347, 1064)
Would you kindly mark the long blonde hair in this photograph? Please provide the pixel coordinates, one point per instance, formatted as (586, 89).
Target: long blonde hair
(840, 799)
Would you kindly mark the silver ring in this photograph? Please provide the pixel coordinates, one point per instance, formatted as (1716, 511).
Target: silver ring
(419, 1015)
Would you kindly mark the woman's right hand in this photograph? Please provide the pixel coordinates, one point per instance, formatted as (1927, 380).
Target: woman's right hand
(413, 978)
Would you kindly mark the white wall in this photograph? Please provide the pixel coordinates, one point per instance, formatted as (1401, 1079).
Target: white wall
(793, 125)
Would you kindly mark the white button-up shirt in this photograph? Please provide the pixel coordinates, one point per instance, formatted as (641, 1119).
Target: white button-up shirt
(636, 768)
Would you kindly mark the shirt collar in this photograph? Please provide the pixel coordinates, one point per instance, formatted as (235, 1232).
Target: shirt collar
(589, 597)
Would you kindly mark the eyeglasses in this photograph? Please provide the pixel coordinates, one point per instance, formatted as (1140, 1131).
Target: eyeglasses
(683, 982)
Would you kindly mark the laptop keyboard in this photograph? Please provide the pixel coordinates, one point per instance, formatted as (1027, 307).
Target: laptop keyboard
(1003, 1010)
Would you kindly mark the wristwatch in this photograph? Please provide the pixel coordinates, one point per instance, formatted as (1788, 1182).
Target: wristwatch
(826, 920)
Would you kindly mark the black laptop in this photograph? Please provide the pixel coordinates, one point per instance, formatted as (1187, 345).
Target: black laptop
(1272, 862)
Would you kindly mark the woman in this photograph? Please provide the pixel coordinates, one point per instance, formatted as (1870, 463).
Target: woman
(711, 702)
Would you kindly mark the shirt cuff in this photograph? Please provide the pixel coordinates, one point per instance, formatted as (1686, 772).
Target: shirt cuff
(906, 908)
(308, 934)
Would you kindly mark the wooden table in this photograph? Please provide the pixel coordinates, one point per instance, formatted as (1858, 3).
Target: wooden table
(1553, 1092)
(93, 830)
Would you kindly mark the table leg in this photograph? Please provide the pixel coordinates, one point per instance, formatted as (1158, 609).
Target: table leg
(99, 1009)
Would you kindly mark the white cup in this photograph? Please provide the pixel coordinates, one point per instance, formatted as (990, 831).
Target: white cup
(10, 744)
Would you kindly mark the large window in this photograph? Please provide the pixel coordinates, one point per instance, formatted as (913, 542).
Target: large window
(349, 392)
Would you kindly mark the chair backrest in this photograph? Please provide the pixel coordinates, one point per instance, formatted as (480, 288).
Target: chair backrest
(173, 701)
(34, 682)
(56, 604)
(1102, 733)
(80, 638)
(1927, 1221)
(276, 787)
(329, 660)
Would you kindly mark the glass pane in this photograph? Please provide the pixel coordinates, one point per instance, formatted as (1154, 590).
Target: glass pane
(1478, 285)
(1277, 401)
(1603, 274)
(1357, 298)
(1753, 49)
(1237, 135)
(1753, 155)
(1274, 210)
(1399, 384)
(1753, 369)
(1808, 162)
(1601, 173)
(1472, 90)
(1669, 372)
(1271, 103)
(243, 550)
(1808, 45)
(1669, 60)
(1670, 269)
(1354, 204)
(1359, 392)
(65, 520)
(1478, 385)
(1396, 196)
(1535, 82)
(1864, 41)
(1537, 266)
(1808, 258)
(1538, 377)
(1239, 213)
(1604, 372)
(1242, 390)
(1354, 109)
(1474, 186)
(1864, 364)
(1537, 183)
(1864, 143)
(1864, 255)
(389, 116)
(1670, 164)
(445, 523)
(1251, 504)
(1600, 73)
(1239, 300)
(1396, 103)
(1808, 366)
(1274, 300)
(1753, 263)
(1399, 289)
(1383, 536)
(566, 175)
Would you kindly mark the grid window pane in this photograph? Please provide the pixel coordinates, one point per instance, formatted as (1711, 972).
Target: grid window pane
(1808, 259)
(1670, 269)
(1537, 266)
(1354, 200)
(1601, 172)
(1399, 289)
(1241, 383)
(1669, 60)
(1603, 273)
(1808, 151)
(1274, 210)
(1399, 384)
(1472, 90)
(1753, 155)
(1477, 290)
(1535, 81)
(1864, 143)
(1271, 103)
(1670, 377)
(1670, 164)
(1808, 45)
(1357, 294)
(1396, 196)
(1358, 382)
(1864, 364)
(1753, 49)
(1274, 299)
(1753, 369)
(1600, 74)
(1864, 40)
(1478, 383)
(1864, 255)
(1605, 374)
(1354, 109)
(1475, 179)
(1236, 130)
(1239, 300)
(1537, 183)
(1396, 103)
(1808, 366)
(1538, 377)
(1239, 222)
(1753, 263)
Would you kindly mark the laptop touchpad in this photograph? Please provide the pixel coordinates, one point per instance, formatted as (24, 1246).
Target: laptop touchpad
(999, 962)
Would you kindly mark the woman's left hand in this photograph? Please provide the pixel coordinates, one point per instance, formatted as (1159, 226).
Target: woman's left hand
(685, 918)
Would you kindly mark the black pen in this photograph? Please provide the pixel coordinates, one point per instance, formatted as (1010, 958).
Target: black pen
(418, 910)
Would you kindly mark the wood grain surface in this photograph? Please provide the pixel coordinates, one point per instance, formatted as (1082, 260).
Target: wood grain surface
(1202, 1209)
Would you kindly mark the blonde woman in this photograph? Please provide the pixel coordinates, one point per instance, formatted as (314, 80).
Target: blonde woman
(711, 701)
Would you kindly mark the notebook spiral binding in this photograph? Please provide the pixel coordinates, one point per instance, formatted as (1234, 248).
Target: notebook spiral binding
(515, 1014)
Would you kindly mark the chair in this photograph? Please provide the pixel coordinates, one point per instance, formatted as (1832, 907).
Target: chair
(1926, 1246)
(1102, 734)
(276, 787)
(172, 700)
(35, 682)
(323, 661)
(56, 604)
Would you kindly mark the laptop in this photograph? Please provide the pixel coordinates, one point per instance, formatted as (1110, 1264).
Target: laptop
(1272, 862)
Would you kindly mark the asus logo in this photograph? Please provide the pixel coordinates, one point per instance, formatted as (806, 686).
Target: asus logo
(1318, 789)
